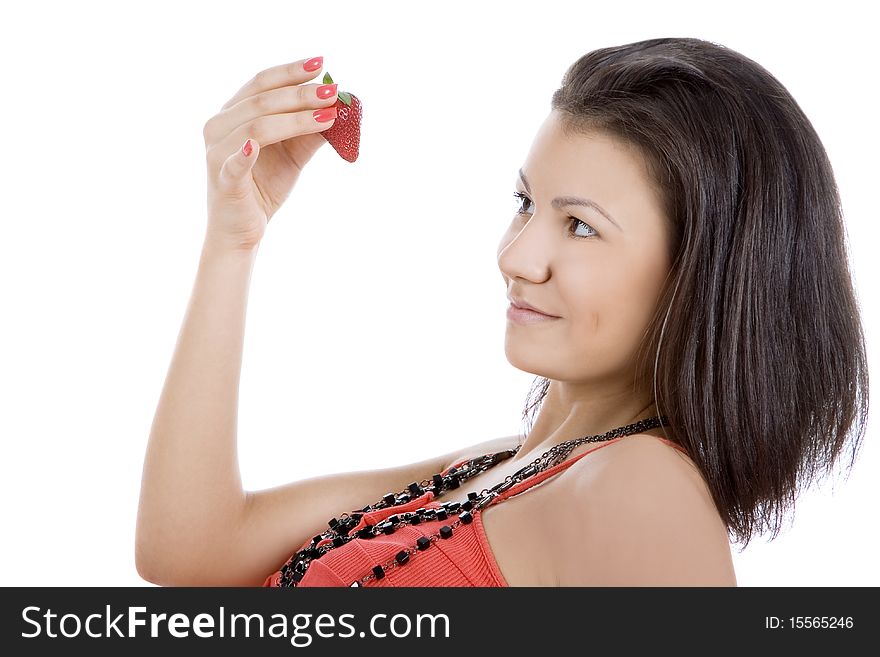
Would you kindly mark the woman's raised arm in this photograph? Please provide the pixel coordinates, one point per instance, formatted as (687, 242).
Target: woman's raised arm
(195, 524)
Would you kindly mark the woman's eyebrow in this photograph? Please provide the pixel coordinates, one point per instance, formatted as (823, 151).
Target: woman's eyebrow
(563, 201)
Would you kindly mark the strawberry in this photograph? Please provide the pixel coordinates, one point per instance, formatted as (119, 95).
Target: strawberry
(345, 133)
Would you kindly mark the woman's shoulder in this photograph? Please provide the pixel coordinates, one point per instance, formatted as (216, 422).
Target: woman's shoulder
(640, 449)
(640, 514)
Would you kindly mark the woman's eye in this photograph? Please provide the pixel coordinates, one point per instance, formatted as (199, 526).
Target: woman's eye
(574, 222)
(522, 197)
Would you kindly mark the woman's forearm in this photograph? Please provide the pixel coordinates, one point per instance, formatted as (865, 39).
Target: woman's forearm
(191, 493)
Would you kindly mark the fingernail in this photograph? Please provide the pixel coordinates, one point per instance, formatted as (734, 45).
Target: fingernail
(324, 115)
(313, 64)
(326, 90)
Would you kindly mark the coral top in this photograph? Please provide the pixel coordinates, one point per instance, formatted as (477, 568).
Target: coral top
(464, 559)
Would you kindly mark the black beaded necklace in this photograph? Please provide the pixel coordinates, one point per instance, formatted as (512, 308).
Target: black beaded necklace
(338, 533)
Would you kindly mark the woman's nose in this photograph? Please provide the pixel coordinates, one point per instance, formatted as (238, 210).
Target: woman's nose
(525, 253)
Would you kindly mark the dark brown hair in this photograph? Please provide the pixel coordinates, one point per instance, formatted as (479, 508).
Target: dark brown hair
(755, 353)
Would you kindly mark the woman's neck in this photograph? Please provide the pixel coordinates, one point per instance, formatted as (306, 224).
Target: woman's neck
(563, 416)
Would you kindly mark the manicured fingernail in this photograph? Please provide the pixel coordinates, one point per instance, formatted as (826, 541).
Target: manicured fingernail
(313, 64)
(325, 91)
(324, 115)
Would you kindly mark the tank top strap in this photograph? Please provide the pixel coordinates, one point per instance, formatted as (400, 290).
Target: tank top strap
(559, 467)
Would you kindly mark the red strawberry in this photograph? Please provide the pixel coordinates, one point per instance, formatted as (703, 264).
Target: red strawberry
(345, 133)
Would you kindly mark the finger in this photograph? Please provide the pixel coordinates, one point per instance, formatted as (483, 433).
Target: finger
(275, 101)
(273, 128)
(275, 77)
(233, 173)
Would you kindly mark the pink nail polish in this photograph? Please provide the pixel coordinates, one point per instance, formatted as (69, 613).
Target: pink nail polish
(324, 115)
(313, 64)
(325, 91)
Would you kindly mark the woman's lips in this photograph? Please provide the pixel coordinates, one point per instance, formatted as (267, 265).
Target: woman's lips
(526, 316)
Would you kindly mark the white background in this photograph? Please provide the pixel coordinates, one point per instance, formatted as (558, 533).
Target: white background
(376, 316)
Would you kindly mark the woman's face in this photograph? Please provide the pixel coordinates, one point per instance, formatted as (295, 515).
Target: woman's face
(600, 278)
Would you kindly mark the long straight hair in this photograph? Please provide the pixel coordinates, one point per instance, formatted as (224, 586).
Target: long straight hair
(755, 352)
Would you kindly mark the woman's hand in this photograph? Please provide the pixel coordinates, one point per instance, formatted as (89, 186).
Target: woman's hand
(274, 110)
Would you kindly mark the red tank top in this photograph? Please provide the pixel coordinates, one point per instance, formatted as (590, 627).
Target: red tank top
(464, 559)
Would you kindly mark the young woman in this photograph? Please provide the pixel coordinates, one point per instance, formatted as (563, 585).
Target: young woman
(678, 279)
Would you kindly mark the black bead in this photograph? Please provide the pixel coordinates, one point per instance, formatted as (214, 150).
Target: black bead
(356, 517)
(415, 520)
(452, 471)
(466, 517)
(378, 572)
(452, 507)
(441, 514)
(401, 557)
(438, 481)
(386, 527)
(472, 495)
(388, 498)
(366, 532)
(423, 543)
(297, 576)
(393, 518)
(338, 541)
(317, 538)
(367, 508)
(467, 506)
(445, 531)
(415, 489)
(333, 522)
(453, 483)
(403, 499)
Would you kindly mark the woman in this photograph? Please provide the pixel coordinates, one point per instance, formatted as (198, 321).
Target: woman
(677, 229)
